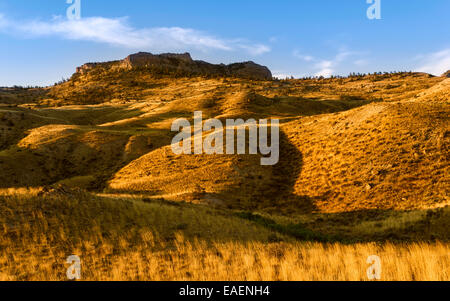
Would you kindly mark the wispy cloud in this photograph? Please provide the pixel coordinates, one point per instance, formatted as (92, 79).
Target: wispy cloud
(281, 74)
(361, 62)
(3, 21)
(328, 67)
(435, 63)
(256, 49)
(118, 32)
(306, 58)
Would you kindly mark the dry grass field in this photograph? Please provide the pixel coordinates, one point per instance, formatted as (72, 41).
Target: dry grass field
(128, 239)
(86, 168)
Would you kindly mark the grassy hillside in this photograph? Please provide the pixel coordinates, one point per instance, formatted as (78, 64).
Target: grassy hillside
(86, 168)
(380, 156)
(132, 239)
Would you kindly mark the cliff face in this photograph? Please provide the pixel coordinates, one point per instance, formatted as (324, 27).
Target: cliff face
(145, 59)
(86, 67)
(184, 65)
(250, 70)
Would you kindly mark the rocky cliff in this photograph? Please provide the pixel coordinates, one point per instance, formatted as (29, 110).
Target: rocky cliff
(183, 65)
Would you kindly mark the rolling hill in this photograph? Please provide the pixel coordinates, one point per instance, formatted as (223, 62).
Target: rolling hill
(86, 166)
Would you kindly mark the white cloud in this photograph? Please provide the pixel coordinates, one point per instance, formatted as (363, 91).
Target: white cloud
(326, 72)
(306, 58)
(435, 63)
(327, 68)
(361, 62)
(282, 74)
(256, 49)
(117, 32)
(3, 21)
(342, 55)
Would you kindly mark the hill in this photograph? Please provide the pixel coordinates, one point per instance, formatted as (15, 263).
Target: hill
(380, 156)
(438, 93)
(86, 167)
(343, 146)
(128, 239)
(377, 157)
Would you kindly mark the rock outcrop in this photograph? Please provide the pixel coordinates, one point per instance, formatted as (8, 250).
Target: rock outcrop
(144, 59)
(183, 65)
(250, 70)
(446, 74)
(86, 67)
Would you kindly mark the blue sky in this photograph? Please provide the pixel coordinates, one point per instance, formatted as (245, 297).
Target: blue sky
(39, 44)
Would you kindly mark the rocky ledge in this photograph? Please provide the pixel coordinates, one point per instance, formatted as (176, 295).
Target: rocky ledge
(183, 65)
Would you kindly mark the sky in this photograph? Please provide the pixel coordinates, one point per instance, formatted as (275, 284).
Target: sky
(40, 43)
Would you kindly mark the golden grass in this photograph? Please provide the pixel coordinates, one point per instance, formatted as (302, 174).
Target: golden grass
(350, 154)
(343, 171)
(437, 93)
(236, 261)
(233, 261)
(119, 239)
(382, 156)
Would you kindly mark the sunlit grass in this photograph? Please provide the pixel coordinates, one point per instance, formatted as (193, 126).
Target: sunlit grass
(120, 239)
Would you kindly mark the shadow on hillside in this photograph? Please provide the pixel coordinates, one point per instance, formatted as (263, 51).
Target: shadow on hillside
(426, 225)
(266, 188)
(80, 159)
(286, 107)
(91, 116)
(285, 175)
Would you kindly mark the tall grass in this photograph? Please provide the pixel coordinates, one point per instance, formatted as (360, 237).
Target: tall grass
(226, 261)
(119, 239)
